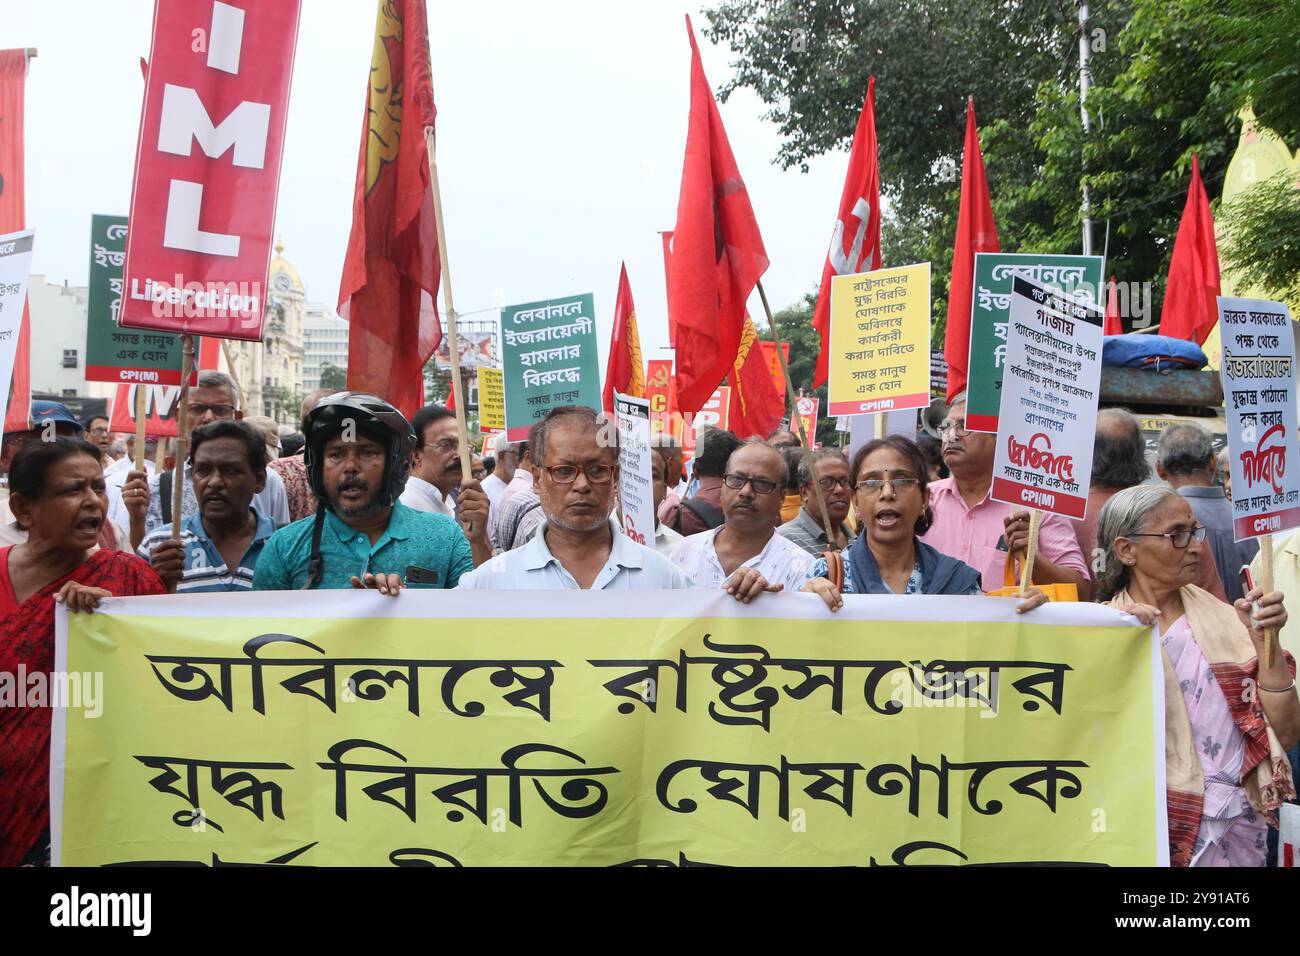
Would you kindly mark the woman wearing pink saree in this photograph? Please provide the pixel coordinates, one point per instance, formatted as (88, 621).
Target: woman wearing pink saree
(1228, 720)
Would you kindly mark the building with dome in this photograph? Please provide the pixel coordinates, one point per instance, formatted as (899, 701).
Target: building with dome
(270, 373)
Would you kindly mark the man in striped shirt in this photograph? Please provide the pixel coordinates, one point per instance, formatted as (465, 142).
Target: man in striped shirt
(218, 547)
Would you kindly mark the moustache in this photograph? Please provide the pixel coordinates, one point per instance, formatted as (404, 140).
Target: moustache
(352, 484)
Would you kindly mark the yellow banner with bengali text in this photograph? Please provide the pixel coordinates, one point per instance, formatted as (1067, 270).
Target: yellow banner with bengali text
(597, 728)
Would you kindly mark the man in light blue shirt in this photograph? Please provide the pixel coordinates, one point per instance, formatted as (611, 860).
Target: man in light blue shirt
(578, 546)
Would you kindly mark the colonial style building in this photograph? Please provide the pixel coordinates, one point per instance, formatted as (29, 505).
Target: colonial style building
(270, 373)
(325, 342)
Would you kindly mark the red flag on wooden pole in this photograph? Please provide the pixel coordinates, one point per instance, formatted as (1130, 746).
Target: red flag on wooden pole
(624, 372)
(13, 214)
(976, 232)
(391, 270)
(855, 241)
(718, 254)
(1190, 308)
(1113, 325)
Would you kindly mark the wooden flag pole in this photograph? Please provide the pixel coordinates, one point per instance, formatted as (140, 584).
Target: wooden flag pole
(462, 429)
(139, 426)
(182, 437)
(832, 534)
(1031, 552)
(1266, 584)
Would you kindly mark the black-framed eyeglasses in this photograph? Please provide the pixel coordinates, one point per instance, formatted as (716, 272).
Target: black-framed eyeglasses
(873, 486)
(568, 474)
(198, 410)
(1179, 539)
(761, 486)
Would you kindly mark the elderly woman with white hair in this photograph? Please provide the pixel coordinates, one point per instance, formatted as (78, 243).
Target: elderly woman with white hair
(1228, 719)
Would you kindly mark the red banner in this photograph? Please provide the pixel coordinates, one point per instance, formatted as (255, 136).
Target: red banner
(13, 78)
(715, 413)
(161, 402)
(208, 167)
(661, 391)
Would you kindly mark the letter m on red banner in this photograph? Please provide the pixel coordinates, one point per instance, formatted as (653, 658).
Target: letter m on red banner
(207, 166)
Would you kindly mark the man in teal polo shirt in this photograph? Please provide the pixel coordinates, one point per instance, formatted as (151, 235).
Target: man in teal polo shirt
(357, 458)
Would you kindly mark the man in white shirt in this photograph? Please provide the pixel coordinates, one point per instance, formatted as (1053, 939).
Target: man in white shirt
(436, 472)
(745, 556)
(578, 546)
(435, 463)
(666, 539)
(494, 485)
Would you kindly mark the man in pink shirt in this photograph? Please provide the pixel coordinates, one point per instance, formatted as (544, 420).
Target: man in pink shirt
(971, 527)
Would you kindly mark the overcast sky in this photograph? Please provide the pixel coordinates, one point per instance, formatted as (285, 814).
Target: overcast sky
(561, 129)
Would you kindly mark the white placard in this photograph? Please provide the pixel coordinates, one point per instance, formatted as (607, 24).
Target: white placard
(635, 478)
(1259, 383)
(15, 267)
(1047, 416)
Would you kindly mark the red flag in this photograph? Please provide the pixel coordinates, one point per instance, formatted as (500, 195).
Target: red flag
(624, 373)
(1190, 310)
(976, 232)
(392, 270)
(13, 214)
(756, 405)
(718, 254)
(855, 241)
(1113, 325)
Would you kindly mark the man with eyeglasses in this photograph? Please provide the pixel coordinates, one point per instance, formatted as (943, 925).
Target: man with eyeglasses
(97, 434)
(745, 556)
(436, 475)
(830, 470)
(148, 499)
(973, 528)
(577, 546)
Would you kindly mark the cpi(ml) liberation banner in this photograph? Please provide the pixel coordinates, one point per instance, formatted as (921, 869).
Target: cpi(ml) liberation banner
(207, 167)
(646, 728)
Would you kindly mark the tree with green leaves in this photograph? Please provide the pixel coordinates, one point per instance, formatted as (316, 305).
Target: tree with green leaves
(331, 376)
(1169, 77)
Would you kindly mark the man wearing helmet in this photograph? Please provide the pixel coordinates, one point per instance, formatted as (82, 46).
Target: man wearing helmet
(358, 456)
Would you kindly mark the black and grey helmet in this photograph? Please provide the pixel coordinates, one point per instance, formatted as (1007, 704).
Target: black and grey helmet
(372, 417)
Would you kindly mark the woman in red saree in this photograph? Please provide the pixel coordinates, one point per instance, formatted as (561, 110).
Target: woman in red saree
(1229, 720)
(57, 493)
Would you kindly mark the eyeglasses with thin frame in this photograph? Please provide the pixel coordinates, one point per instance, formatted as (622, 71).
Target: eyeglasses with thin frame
(1179, 539)
(761, 486)
(873, 486)
(568, 474)
(445, 445)
(953, 428)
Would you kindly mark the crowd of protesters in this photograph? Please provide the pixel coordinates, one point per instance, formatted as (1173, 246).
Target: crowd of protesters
(365, 499)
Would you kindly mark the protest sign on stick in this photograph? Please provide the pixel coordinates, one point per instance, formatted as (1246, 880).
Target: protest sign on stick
(990, 307)
(635, 470)
(491, 399)
(551, 359)
(880, 341)
(15, 268)
(1258, 371)
(1048, 412)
